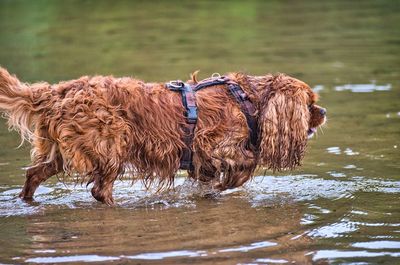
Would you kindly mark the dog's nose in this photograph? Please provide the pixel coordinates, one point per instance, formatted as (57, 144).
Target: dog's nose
(322, 111)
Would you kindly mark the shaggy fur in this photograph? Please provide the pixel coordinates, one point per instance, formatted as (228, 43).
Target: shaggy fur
(97, 127)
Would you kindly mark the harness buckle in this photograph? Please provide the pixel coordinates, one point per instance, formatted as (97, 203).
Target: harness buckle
(243, 96)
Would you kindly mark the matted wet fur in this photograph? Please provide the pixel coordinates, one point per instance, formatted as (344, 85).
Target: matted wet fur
(97, 127)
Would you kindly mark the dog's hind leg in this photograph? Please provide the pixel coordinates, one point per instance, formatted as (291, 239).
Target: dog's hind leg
(38, 174)
(47, 161)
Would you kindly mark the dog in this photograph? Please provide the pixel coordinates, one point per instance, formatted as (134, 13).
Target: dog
(98, 127)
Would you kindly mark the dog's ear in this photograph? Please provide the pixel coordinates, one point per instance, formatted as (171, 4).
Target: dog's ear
(283, 125)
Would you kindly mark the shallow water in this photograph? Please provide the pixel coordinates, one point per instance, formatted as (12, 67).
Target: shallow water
(342, 206)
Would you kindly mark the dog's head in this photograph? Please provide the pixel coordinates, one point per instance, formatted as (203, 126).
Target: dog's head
(288, 117)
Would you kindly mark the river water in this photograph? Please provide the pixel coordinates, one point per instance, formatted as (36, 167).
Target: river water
(341, 207)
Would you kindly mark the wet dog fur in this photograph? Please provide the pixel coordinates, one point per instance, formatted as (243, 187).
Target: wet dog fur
(99, 127)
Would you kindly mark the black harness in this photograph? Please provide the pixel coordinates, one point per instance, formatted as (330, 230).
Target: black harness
(188, 93)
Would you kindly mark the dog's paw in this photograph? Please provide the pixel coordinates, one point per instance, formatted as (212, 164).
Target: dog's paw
(25, 197)
(102, 197)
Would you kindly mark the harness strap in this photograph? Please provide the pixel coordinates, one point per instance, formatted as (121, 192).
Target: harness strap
(242, 98)
(189, 102)
(211, 82)
(248, 109)
(187, 153)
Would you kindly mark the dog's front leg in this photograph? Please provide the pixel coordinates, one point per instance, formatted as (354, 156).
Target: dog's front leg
(103, 188)
(238, 173)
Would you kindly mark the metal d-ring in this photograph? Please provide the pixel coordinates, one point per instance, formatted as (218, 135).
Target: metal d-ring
(216, 75)
(176, 84)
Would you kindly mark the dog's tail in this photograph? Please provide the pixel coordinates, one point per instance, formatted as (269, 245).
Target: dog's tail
(17, 103)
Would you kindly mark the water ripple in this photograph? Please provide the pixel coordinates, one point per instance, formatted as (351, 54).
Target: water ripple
(262, 190)
(363, 88)
(168, 254)
(378, 245)
(77, 258)
(336, 254)
(252, 246)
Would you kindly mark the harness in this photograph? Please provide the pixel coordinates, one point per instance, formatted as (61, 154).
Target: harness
(188, 93)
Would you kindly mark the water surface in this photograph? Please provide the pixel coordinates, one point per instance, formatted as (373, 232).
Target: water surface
(341, 207)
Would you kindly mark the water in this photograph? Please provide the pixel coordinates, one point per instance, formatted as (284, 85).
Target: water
(341, 207)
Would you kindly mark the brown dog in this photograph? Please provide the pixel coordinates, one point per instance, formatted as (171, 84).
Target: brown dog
(99, 126)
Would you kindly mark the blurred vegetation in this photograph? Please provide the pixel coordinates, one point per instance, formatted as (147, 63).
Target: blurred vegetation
(320, 41)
